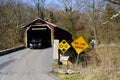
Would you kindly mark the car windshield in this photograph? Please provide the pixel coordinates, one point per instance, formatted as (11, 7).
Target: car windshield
(36, 41)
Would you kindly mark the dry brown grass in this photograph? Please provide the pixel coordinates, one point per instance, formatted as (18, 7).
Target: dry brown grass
(104, 64)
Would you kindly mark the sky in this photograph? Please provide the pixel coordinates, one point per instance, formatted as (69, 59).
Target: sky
(55, 4)
(49, 3)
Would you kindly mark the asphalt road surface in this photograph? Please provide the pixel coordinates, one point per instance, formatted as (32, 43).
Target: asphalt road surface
(27, 64)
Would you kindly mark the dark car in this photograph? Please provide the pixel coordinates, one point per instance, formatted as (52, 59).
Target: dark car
(36, 44)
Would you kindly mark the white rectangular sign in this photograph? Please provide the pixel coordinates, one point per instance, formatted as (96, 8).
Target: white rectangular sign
(64, 58)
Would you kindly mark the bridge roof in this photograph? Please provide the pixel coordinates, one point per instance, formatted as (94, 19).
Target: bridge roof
(59, 32)
(38, 21)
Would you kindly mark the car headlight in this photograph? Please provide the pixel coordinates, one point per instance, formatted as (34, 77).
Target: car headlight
(39, 44)
(31, 44)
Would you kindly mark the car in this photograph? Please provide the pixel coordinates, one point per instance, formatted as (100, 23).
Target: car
(35, 44)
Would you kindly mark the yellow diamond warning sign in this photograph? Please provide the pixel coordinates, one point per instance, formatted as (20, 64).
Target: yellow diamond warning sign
(79, 45)
(63, 46)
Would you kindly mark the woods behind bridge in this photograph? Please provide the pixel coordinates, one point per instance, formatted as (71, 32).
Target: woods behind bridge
(81, 18)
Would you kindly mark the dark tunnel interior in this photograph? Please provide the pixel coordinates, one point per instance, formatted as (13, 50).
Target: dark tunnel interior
(39, 37)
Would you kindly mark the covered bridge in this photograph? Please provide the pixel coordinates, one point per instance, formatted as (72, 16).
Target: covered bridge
(43, 33)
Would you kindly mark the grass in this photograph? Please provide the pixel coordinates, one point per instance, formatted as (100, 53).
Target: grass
(68, 77)
(104, 65)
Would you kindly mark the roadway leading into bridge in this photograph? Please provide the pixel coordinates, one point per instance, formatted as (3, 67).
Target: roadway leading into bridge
(28, 64)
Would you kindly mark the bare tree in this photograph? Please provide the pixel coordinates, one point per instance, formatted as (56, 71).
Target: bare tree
(114, 1)
(40, 5)
(12, 14)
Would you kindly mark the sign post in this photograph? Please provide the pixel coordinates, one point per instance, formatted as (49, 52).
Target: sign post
(65, 58)
(77, 62)
(64, 46)
(79, 45)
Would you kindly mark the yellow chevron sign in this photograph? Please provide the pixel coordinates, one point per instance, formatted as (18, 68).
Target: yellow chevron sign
(79, 45)
(63, 46)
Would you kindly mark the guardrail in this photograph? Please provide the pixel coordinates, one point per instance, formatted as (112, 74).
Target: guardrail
(8, 51)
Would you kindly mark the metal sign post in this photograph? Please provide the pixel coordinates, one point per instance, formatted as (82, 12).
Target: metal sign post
(79, 45)
(65, 58)
(76, 66)
(63, 46)
(77, 63)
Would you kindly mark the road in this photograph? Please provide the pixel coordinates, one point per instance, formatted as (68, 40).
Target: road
(27, 64)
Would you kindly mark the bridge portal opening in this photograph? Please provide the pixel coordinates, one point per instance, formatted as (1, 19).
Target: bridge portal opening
(39, 37)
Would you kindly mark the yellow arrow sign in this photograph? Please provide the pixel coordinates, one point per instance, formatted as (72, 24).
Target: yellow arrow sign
(63, 46)
(79, 45)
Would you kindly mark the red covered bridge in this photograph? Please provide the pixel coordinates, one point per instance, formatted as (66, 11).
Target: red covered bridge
(41, 34)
